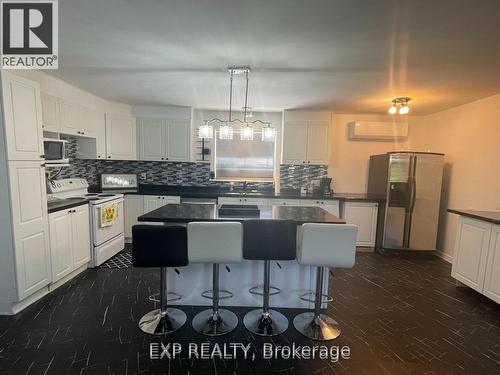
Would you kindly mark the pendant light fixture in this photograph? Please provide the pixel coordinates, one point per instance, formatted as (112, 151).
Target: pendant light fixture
(205, 131)
(400, 105)
(268, 133)
(225, 130)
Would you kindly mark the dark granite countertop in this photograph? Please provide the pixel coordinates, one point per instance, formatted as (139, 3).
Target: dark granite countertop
(64, 204)
(188, 212)
(217, 191)
(489, 216)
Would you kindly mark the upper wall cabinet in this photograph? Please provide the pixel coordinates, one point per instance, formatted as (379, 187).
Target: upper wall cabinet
(50, 113)
(95, 147)
(306, 138)
(120, 137)
(23, 118)
(77, 120)
(161, 139)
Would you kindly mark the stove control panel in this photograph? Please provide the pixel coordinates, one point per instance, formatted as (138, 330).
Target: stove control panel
(67, 184)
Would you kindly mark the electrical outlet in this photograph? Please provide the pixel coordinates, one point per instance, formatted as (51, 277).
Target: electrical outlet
(144, 176)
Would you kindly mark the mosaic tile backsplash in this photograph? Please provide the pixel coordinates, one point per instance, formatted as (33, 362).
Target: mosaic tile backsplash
(295, 176)
(174, 173)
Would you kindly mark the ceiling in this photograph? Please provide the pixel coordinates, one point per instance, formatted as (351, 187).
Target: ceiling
(342, 55)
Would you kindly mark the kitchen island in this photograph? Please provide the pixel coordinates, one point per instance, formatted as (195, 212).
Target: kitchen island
(292, 279)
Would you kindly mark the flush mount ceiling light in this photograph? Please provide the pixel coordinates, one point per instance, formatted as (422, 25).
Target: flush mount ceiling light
(400, 105)
(225, 130)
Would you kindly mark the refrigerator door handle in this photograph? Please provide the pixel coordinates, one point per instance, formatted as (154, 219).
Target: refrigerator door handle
(413, 194)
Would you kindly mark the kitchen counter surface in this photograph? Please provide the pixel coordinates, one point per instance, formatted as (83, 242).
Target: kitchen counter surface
(187, 212)
(489, 216)
(63, 204)
(213, 192)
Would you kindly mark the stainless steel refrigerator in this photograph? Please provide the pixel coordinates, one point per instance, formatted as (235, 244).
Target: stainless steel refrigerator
(411, 183)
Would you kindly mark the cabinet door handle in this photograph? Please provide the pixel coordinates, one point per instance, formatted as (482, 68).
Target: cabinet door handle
(166, 158)
(109, 157)
(98, 156)
(42, 156)
(69, 211)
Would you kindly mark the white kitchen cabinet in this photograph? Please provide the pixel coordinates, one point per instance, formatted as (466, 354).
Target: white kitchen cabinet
(364, 215)
(29, 220)
(133, 207)
(471, 252)
(244, 201)
(93, 146)
(70, 118)
(285, 202)
(69, 240)
(177, 140)
(330, 205)
(162, 139)
(23, 118)
(152, 202)
(492, 278)
(60, 244)
(317, 142)
(295, 143)
(92, 121)
(120, 137)
(80, 226)
(306, 138)
(50, 113)
(151, 139)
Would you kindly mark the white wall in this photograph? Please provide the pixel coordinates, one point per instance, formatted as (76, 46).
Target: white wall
(349, 159)
(469, 136)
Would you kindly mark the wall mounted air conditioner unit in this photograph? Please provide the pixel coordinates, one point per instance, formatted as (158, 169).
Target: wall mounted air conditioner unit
(378, 130)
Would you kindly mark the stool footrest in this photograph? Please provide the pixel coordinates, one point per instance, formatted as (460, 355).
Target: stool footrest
(272, 290)
(223, 294)
(324, 297)
(174, 297)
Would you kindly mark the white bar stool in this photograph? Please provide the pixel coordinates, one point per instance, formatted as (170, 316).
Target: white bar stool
(323, 245)
(211, 242)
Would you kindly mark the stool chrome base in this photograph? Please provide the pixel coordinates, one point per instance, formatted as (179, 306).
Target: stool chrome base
(205, 323)
(321, 327)
(156, 323)
(271, 323)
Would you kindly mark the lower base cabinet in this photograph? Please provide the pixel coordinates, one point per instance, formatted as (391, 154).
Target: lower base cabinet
(133, 207)
(476, 260)
(137, 205)
(364, 215)
(69, 240)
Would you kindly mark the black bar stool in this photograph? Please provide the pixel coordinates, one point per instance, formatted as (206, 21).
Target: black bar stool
(268, 240)
(160, 246)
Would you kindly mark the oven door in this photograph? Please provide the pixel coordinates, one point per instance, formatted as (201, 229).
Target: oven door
(102, 234)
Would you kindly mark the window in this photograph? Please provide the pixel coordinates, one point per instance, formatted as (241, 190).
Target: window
(244, 160)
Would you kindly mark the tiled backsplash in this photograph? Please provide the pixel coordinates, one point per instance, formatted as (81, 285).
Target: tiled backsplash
(294, 176)
(173, 173)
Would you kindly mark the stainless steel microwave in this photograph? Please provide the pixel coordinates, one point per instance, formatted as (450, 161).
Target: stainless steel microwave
(55, 151)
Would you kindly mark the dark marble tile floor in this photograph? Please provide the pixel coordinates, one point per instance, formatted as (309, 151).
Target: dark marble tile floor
(398, 316)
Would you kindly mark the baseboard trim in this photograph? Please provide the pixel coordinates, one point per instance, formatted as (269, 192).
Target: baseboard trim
(67, 278)
(446, 257)
(12, 308)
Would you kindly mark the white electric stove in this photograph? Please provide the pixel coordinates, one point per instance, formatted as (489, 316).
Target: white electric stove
(106, 240)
